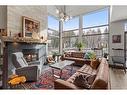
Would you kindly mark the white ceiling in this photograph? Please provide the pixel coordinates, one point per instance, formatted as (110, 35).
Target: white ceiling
(74, 10)
(117, 12)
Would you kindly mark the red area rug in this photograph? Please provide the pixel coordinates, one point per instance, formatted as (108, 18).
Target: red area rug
(46, 80)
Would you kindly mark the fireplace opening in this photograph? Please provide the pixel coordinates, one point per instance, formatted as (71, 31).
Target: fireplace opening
(30, 54)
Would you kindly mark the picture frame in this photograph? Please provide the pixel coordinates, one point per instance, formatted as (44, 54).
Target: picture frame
(116, 38)
(30, 26)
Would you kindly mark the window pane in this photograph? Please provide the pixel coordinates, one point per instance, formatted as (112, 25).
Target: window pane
(97, 30)
(53, 32)
(53, 35)
(53, 44)
(96, 38)
(69, 43)
(70, 34)
(96, 43)
(53, 23)
(71, 24)
(96, 18)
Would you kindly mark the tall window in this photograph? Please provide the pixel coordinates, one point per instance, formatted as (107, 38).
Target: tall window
(53, 23)
(95, 30)
(70, 33)
(53, 34)
(71, 24)
(96, 18)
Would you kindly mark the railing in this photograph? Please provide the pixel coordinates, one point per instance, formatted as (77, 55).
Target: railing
(93, 37)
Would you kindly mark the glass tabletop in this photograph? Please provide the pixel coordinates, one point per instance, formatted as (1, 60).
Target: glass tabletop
(61, 64)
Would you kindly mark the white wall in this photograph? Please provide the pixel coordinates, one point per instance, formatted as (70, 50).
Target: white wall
(117, 20)
(15, 13)
(3, 17)
(119, 12)
(117, 28)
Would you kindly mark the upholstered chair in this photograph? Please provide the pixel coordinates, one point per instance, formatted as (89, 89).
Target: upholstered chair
(31, 72)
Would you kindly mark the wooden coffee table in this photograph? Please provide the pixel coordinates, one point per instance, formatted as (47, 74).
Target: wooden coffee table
(60, 66)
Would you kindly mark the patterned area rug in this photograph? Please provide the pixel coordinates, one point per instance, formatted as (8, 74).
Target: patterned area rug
(46, 80)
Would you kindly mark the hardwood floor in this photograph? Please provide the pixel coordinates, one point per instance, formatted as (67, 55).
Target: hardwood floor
(118, 79)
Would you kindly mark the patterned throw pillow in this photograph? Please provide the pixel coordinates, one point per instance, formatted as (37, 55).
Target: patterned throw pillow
(90, 78)
(84, 80)
(81, 81)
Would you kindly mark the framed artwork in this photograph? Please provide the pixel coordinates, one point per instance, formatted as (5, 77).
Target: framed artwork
(116, 39)
(30, 26)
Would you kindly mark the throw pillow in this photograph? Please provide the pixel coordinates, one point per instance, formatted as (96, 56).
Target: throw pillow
(94, 63)
(90, 78)
(81, 81)
(90, 55)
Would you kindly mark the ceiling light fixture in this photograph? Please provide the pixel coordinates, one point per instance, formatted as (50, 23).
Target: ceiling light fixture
(63, 16)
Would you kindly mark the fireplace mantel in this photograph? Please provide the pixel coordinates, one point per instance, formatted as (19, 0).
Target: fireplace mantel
(22, 40)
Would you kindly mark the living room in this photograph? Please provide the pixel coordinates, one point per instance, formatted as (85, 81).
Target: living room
(63, 47)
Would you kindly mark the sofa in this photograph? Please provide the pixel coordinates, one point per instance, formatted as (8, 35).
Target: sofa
(76, 56)
(101, 80)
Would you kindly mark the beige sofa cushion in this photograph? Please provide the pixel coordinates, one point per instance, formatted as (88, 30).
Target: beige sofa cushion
(81, 80)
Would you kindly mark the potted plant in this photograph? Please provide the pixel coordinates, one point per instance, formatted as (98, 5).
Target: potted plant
(92, 56)
(79, 45)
